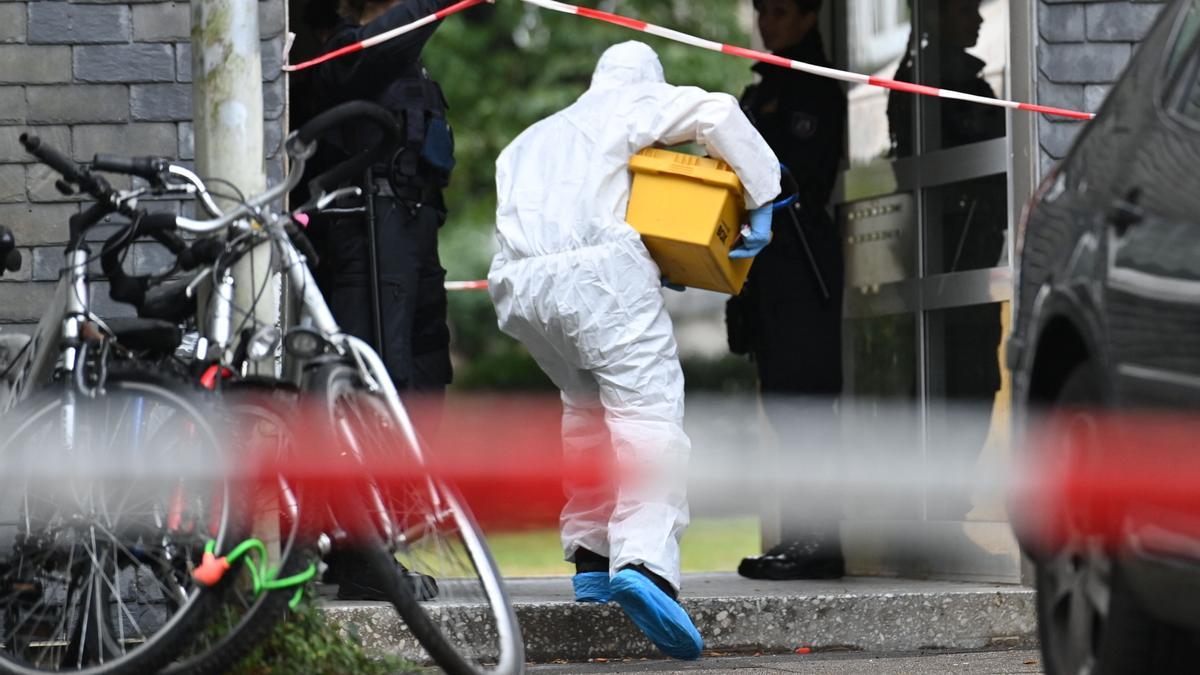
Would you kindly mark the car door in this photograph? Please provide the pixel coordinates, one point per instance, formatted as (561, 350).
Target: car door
(1152, 224)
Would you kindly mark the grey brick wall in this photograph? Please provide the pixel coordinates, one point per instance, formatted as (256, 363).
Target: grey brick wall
(94, 76)
(1083, 47)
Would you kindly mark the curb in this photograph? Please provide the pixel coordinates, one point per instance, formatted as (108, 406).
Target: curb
(943, 615)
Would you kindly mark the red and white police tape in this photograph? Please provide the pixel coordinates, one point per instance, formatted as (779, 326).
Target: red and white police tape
(466, 285)
(384, 37)
(684, 38)
(820, 71)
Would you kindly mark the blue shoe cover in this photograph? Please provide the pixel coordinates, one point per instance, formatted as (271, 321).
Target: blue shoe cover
(662, 619)
(591, 587)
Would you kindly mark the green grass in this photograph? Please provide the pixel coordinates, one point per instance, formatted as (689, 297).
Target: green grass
(709, 545)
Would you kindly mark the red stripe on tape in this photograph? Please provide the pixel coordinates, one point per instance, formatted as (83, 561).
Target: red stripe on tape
(466, 285)
(1062, 112)
(612, 18)
(909, 87)
(348, 49)
(756, 55)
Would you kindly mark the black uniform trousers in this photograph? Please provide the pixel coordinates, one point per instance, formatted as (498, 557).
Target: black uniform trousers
(412, 293)
(795, 336)
(793, 332)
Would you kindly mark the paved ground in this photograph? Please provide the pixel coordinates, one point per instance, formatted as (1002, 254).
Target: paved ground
(1008, 661)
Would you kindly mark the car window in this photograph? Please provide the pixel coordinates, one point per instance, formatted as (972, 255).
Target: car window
(1183, 67)
(1188, 104)
(1184, 38)
(1163, 249)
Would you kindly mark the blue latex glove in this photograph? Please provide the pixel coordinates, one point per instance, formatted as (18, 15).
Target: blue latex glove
(675, 287)
(758, 236)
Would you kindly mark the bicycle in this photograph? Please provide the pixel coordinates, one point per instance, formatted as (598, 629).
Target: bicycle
(96, 565)
(423, 523)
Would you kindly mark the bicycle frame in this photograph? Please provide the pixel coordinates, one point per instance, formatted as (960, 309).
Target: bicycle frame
(219, 338)
(314, 309)
(316, 312)
(55, 342)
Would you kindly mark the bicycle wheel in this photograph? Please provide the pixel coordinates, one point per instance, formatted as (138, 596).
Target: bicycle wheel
(105, 509)
(244, 618)
(470, 626)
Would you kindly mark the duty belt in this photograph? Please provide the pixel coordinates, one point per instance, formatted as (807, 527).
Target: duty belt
(408, 194)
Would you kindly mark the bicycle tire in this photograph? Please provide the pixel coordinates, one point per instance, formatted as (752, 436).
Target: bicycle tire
(256, 626)
(261, 617)
(158, 648)
(332, 381)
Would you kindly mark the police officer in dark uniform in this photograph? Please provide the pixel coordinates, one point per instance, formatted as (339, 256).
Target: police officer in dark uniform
(788, 318)
(379, 265)
(380, 270)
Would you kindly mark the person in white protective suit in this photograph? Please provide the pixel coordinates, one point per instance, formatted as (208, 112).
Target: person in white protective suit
(574, 283)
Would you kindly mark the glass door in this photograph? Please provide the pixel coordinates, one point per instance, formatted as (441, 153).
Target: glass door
(923, 210)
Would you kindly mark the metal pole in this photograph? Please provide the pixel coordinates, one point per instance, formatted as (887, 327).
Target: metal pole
(812, 260)
(373, 252)
(227, 105)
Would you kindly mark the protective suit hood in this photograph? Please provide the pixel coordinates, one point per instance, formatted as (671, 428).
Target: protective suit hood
(627, 63)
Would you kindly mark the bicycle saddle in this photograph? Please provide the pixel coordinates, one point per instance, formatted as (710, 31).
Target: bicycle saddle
(147, 336)
(168, 302)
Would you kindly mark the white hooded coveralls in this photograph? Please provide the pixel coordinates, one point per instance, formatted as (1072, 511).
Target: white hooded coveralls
(574, 283)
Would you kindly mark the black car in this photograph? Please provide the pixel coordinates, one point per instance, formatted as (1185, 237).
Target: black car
(1108, 319)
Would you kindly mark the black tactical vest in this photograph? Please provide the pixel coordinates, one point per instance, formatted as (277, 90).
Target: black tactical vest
(425, 157)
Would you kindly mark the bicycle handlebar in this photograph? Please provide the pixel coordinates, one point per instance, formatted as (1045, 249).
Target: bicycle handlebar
(345, 112)
(151, 223)
(96, 186)
(150, 168)
(134, 289)
(52, 158)
(161, 226)
(358, 164)
(300, 147)
(106, 197)
(85, 219)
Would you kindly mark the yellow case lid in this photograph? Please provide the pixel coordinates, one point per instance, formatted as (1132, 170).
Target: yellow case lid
(703, 169)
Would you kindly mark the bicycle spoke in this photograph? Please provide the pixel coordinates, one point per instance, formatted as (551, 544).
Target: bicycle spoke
(167, 591)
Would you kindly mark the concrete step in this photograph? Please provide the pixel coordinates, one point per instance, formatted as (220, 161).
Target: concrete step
(740, 615)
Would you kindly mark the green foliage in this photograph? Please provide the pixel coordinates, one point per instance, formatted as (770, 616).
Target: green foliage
(506, 368)
(728, 375)
(306, 642)
(507, 66)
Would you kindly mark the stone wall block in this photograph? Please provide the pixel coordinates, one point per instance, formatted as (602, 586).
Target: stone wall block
(69, 23)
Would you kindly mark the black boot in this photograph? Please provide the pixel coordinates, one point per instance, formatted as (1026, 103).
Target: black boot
(358, 581)
(809, 558)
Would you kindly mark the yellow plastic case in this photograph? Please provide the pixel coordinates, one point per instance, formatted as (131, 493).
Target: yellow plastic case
(689, 211)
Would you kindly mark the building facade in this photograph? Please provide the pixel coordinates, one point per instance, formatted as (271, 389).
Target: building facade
(98, 76)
